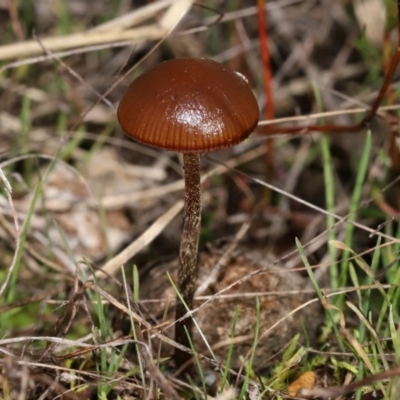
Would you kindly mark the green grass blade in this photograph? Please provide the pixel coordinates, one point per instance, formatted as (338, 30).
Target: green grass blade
(230, 351)
(354, 205)
(329, 191)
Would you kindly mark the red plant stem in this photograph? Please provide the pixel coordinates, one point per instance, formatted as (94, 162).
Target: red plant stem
(264, 48)
(393, 150)
(15, 20)
(388, 77)
(269, 96)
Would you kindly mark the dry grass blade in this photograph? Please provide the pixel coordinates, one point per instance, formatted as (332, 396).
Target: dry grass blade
(31, 47)
(174, 14)
(132, 18)
(112, 266)
(117, 201)
(325, 114)
(72, 72)
(17, 231)
(60, 54)
(151, 329)
(212, 277)
(147, 355)
(59, 341)
(111, 202)
(106, 33)
(5, 181)
(365, 321)
(371, 15)
(339, 219)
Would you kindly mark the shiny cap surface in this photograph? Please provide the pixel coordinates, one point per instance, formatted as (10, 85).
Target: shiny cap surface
(189, 105)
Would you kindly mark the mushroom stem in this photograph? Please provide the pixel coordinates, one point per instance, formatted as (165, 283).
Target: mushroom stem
(187, 273)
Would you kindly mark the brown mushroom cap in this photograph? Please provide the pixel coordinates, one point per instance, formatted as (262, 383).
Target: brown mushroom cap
(189, 105)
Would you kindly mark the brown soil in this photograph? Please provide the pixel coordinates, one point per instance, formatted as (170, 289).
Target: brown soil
(279, 290)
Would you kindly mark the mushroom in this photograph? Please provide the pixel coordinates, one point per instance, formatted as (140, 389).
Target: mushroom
(192, 106)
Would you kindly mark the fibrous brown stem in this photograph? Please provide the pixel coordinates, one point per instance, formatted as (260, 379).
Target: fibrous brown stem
(188, 252)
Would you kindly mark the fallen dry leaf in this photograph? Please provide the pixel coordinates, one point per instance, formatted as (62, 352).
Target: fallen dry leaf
(305, 381)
